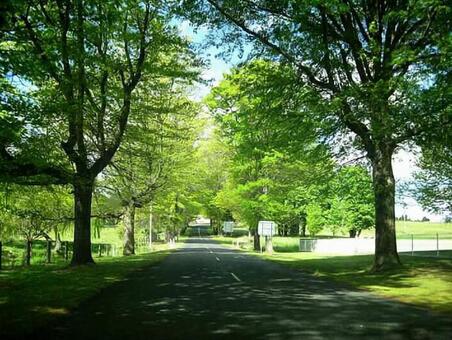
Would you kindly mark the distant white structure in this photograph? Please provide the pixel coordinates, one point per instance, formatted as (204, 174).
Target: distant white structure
(228, 226)
(200, 220)
(350, 246)
(267, 228)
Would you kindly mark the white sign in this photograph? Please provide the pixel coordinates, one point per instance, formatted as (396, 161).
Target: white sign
(228, 227)
(267, 228)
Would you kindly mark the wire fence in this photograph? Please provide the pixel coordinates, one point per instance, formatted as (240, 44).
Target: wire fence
(17, 253)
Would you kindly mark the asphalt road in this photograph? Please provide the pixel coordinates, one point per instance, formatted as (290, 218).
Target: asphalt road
(207, 291)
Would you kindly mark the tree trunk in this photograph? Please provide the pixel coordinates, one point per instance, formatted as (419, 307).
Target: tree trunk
(150, 227)
(49, 251)
(303, 225)
(129, 232)
(384, 190)
(83, 193)
(57, 247)
(28, 250)
(352, 233)
(257, 241)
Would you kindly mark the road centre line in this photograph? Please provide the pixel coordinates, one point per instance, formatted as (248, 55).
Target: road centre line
(235, 277)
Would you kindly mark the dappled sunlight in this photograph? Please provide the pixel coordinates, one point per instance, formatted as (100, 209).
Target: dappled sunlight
(51, 310)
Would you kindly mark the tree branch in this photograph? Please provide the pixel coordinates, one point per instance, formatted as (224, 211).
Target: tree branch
(305, 70)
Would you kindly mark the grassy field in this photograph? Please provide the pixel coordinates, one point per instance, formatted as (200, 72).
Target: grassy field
(419, 230)
(30, 297)
(404, 230)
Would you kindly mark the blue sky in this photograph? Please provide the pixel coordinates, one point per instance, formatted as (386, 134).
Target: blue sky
(404, 162)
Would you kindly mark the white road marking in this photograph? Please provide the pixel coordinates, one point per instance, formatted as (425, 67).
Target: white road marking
(235, 277)
(217, 259)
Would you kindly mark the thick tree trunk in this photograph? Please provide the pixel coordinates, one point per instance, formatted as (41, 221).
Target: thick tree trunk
(384, 190)
(352, 233)
(129, 231)
(83, 193)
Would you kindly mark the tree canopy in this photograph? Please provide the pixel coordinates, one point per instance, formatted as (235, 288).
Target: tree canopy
(370, 65)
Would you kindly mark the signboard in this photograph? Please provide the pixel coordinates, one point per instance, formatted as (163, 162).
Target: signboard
(267, 228)
(228, 226)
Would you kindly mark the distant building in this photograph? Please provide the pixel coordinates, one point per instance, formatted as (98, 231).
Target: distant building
(200, 220)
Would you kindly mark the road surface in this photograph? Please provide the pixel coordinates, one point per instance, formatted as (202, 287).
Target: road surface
(207, 291)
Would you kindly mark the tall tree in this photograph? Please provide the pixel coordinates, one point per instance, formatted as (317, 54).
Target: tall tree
(268, 166)
(73, 67)
(368, 62)
(351, 201)
(213, 163)
(160, 127)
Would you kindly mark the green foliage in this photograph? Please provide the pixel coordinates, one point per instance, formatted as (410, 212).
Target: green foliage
(433, 182)
(276, 175)
(211, 175)
(272, 174)
(316, 220)
(352, 205)
(32, 212)
(72, 75)
(71, 82)
(370, 69)
(157, 144)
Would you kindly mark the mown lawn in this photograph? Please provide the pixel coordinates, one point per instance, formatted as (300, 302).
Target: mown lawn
(30, 297)
(419, 230)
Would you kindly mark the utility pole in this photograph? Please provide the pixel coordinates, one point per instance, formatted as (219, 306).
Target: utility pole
(150, 226)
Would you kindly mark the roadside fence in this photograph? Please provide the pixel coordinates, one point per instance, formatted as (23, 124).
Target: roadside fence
(431, 245)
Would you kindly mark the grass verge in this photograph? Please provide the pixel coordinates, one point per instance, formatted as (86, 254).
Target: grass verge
(31, 297)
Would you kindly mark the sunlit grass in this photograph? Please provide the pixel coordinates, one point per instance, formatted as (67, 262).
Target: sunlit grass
(419, 230)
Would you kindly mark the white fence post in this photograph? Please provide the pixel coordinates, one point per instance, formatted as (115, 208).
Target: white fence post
(437, 244)
(412, 245)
